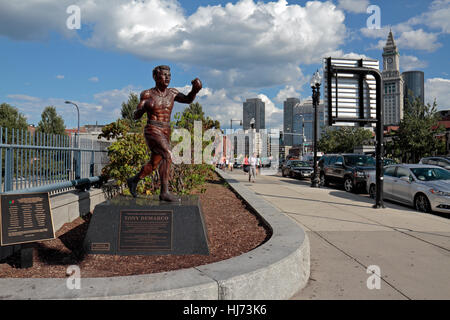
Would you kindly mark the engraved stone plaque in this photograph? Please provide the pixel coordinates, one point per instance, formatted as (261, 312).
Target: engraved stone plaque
(25, 218)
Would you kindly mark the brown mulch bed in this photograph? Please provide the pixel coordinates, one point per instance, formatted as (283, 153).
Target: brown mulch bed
(232, 230)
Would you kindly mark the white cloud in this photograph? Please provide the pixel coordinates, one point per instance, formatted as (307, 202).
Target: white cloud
(408, 36)
(419, 40)
(355, 6)
(408, 63)
(105, 106)
(249, 43)
(439, 89)
(274, 115)
(59, 76)
(287, 92)
(437, 17)
(94, 79)
(23, 97)
(33, 19)
(354, 55)
(111, 101)
(405, 38)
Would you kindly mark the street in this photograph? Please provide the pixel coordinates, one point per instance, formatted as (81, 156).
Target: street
(411, 250)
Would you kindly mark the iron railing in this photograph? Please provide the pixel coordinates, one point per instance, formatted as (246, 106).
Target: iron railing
(48, 162)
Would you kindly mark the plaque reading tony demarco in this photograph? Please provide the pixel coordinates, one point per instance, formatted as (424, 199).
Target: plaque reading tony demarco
(147, 230)
(25, 218)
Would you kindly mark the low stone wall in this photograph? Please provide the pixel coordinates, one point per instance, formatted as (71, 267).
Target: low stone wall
(68, 206)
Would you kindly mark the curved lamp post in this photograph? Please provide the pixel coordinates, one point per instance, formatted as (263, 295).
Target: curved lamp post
(315, 86)
(77, 159)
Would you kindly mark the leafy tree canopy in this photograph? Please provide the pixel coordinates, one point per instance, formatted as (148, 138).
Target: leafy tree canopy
(10, 117)
(194, 112)
(419, 130)
(127, 113)
(51, 122)
(343, 140)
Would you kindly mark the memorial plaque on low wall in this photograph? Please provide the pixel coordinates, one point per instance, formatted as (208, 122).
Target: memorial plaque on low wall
(145, 230)
(25, 218)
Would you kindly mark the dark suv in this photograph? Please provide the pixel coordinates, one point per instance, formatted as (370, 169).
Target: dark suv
(347, 169)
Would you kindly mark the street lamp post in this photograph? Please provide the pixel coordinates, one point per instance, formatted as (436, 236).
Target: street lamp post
(315, 86)
(77, 140)
(303, 135)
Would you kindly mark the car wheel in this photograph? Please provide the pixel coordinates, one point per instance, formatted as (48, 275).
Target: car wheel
(421, 203)
(373, 191)
(348, 184)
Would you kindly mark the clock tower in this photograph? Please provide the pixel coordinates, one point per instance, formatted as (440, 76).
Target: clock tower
(392, 82)
(391, 56)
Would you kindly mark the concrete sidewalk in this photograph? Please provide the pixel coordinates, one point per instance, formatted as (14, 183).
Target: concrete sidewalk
(411, 249)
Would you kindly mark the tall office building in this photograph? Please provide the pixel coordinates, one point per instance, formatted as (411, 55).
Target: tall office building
(254, 109)
(393, 83)
(288, 120)
(304, 121)
(413, 86)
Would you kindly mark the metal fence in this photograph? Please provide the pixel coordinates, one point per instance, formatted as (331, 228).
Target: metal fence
(47, 162)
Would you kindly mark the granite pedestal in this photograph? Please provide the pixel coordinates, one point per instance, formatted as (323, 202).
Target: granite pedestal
(147, 226)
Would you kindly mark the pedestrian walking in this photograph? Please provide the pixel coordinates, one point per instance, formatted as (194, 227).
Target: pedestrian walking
(246, 165)
(252, 170)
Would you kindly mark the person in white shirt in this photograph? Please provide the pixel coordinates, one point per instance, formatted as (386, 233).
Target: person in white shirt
(252, 170)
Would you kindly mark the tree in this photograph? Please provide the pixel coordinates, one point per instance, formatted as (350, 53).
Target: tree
(194, 112)
(127, 113)
(345, 139)
(11, 118)
(419, 130)
(51, 122)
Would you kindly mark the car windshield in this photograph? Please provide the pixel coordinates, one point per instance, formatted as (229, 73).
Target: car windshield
(430, 174)
(361, 160)
(299, 164)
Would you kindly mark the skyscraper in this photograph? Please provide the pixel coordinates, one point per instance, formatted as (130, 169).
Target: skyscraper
(413, 86)
(393, 83)
(254, 109)
(288, 120)
(304, 121)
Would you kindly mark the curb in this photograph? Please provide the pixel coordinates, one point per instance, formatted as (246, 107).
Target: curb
(275, 270)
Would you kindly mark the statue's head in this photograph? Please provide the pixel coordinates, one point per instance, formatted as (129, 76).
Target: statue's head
(162, 73)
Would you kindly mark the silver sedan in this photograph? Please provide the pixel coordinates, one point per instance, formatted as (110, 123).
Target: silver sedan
(425, 187)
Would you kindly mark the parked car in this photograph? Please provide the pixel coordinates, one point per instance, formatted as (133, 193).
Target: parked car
(297, 169)
(425, 187)
(309, 157)
(387, 162)
(443, 162)
(347, 169)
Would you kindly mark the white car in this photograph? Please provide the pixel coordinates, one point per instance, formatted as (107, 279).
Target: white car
(425, 187)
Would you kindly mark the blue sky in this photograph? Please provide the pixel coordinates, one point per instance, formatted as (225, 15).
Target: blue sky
(239, 49)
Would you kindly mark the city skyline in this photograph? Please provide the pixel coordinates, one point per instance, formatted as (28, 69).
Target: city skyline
(240, 50)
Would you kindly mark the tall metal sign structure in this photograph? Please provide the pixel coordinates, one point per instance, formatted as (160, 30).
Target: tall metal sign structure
(352, 91)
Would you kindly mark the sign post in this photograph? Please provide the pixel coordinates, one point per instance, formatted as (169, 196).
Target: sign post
(353, 93)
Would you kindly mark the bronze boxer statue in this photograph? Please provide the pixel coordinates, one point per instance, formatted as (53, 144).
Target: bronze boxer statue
(158, 103)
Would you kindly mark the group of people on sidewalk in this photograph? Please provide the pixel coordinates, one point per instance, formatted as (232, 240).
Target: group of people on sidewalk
(251, 165)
